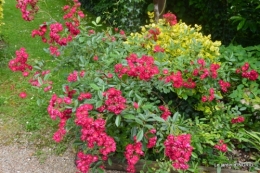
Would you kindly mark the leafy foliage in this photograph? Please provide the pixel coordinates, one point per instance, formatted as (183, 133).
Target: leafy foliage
(99, 54)
(124, 14)
(227, 21)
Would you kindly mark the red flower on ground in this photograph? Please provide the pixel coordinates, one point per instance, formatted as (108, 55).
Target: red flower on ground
(22, 95)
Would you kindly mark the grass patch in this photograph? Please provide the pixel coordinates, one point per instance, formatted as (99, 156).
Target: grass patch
(24, 119)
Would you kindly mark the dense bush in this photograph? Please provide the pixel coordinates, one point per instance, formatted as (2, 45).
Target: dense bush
(142, 98)
(125, 14)
(226, 21)
(167, 94)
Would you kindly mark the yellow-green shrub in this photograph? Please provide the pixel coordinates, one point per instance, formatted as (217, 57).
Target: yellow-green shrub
(177, 40)
(1, 12)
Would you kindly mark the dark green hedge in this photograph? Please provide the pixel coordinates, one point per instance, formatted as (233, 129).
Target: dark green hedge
(230, 21)
(124, 14)
(216, 16)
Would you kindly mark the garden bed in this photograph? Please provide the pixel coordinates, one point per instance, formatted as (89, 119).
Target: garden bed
(117, 164)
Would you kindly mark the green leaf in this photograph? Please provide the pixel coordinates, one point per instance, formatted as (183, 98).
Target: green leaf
(194, 155)
(94, 86)
(94, 23)
(81, 39)
(150, 7)
(175, 116)
(130, 93)
(241, 24)
(139, 121)
(184, 96)
(38, 68)
(90, 101)
(124, 77)
(183, 128)
(242, 108)
(236, 18)
(100, 94)
(219, 169)
(98, 19)
(129, 116)
(159, 119)
(109, 161)
(140, 135)
(118, 120)
(39, 102)
(142, 117)
(147, 106)
(46, 77)
(40, 80)
(99, 103)
(149, 126)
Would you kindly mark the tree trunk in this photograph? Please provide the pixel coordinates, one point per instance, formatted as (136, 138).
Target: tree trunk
(159, 9)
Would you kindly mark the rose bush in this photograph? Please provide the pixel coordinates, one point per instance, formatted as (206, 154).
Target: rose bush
(163, 94)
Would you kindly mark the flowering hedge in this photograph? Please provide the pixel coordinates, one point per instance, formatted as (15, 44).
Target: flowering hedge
(161, 95)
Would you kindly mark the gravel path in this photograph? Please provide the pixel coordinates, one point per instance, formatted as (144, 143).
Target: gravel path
(18, 154)
(19, 159)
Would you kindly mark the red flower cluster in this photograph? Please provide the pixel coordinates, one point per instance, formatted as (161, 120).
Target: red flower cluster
(238, 119)
(93, 131)
(189, 84)
(73, 10)
(170, 18)
(41, 32)
(69, 92)
(204, 72)
(114, 103)
(27, 15)
(251, 75)
(158, 48)
(152, 140)
(132, 155)
(56, 109)
(143, 67)
(83, 96)
(176, 79)
(153, 33)
(221, 146)
(73, 77)
(224, 85)
(210, 97)
(213, 70)
(179, 150)
(166, 112)
(72, 24)
(19, 63)
(84, 161)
